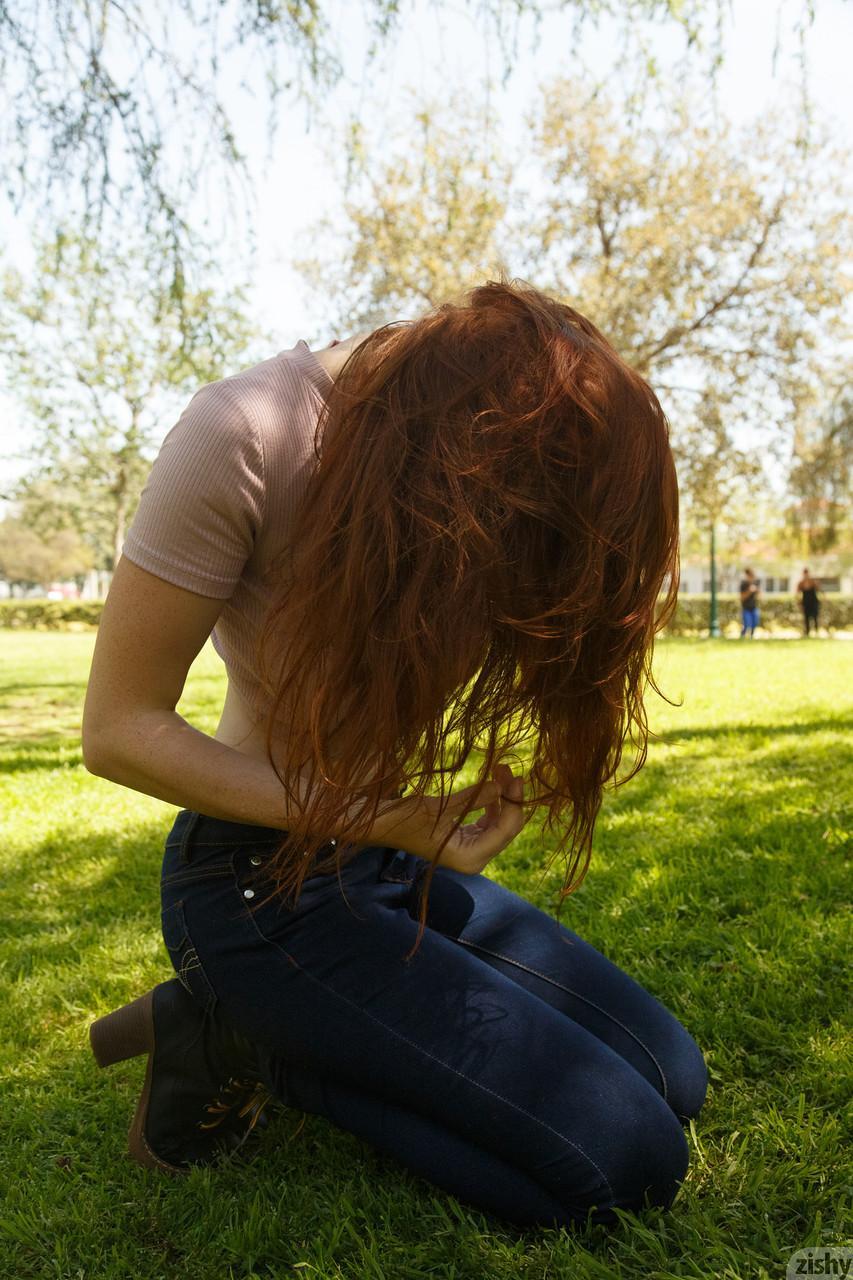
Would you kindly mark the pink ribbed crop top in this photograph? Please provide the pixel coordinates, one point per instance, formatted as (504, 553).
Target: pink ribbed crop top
(220, 498)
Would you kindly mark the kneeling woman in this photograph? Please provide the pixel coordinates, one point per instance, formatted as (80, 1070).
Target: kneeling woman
(430, 544)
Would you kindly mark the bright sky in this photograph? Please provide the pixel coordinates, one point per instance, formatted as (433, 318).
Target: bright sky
(431, 51)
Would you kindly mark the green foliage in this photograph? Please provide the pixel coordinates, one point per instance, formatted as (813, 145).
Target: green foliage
(822, 472)
(100, 351)
(721, 287)
(777, 613)
(691, 616)
(93, 129)
(33, 561)
(419, 227)
(715, 477)
(664, 222)
(49, 615)
(718, 880)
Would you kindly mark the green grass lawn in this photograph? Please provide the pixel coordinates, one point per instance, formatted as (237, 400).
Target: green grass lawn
(720, 880)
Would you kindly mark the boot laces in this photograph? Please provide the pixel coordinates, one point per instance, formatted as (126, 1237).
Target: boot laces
(249, 1096)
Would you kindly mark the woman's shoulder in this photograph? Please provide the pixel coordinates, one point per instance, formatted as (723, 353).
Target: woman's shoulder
(274, 389)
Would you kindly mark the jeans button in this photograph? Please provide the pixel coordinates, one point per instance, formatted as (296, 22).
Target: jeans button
(255, 860)
(248, 893)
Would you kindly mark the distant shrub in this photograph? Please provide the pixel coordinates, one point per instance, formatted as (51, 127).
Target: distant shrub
(51, 615)
(691, 615)
(777, 613)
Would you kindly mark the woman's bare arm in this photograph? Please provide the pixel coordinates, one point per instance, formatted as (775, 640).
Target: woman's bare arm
(149, 635)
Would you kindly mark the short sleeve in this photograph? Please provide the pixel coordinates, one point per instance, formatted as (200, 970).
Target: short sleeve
(202, 506)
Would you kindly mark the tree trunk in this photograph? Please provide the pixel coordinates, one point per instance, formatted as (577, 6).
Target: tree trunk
(119, 530)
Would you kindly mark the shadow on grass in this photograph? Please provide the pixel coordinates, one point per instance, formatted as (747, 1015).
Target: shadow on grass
(32, 687)
(799, 728)
(48, 751)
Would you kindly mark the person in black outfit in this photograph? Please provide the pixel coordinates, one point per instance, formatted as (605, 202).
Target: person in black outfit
(807, 587)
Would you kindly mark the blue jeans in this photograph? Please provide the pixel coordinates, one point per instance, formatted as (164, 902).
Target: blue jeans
(750, 619)
(507, 1062)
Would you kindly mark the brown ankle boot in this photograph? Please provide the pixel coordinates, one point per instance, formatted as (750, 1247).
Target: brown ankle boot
(201, 1094)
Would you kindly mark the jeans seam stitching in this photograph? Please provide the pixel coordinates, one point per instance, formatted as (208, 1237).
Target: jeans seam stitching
(185, 855)
(189, 876)
(447, 1066)
(190, 959)
(570, 991)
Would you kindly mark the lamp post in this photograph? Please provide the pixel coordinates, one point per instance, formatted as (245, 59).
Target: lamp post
(714, 626)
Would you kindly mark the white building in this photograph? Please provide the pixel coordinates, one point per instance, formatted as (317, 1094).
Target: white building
(776, 574)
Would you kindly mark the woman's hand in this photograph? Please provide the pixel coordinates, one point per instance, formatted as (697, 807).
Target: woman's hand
(417, 826)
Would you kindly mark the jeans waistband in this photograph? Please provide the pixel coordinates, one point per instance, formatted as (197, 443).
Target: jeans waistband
(209, 830)
(194, 831)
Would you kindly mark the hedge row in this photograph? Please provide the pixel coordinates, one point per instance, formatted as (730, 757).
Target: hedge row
(51, 615)
(691, 617)
(778, 613)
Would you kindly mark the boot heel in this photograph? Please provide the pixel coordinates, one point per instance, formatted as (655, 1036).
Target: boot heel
(124, 1033)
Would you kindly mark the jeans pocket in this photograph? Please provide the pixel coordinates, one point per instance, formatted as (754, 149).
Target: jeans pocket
(184, 957)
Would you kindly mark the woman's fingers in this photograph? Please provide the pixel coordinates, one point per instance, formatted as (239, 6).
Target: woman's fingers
(493, 797)
(517, 789)
(504, 785)
(504, 821)
(501, 816)
(486, 793)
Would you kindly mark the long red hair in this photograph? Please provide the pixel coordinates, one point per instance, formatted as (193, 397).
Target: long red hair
(486, 548)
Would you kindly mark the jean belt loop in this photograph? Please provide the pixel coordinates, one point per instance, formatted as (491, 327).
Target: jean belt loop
(185, 852)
